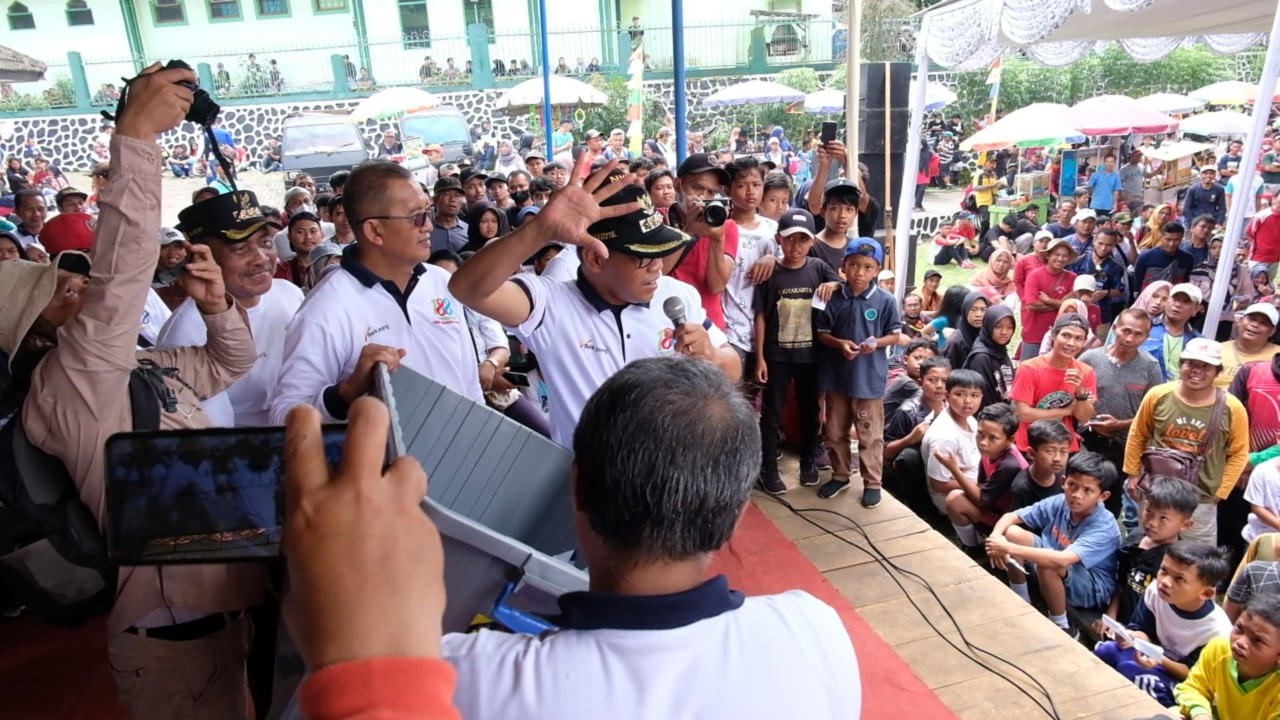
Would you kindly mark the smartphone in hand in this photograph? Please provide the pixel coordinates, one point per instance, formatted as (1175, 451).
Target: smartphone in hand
(828, 132)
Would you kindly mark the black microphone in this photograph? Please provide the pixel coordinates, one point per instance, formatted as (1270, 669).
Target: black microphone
(673, 307)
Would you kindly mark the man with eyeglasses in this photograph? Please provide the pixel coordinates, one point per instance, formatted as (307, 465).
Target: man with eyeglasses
(383, 304)
(584, 331)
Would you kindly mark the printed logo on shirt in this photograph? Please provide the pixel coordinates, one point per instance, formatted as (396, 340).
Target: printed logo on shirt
(589, 344)
(1055, 400)
(443, 308)
(871, 314)
(666, 341)
(371, 331)
(1186, 434)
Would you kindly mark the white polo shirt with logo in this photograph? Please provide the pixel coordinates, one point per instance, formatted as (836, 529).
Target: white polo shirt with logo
(350, 308)
(581, 340)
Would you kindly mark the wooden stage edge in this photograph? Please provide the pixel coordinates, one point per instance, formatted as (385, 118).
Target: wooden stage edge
(990, 615)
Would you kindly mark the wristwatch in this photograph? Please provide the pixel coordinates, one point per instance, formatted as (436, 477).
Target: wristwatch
(1082, 396)
(492, 362)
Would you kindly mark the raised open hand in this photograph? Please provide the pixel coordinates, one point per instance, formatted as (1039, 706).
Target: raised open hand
(576, 206)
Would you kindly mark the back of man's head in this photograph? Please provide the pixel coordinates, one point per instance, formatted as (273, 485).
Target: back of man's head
(364, 193)
(665, 454)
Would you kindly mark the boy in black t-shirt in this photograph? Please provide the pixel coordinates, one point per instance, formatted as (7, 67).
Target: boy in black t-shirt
(1165, 515)
(904, 430)
(989, 498)
(1050, 442)
(784, 344)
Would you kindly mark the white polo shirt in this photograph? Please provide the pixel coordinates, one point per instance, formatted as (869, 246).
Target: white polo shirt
(247, 402)
(696, 654)
(350, 308)
(581, 340)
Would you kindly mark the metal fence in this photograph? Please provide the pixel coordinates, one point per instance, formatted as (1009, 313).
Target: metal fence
(54, 92)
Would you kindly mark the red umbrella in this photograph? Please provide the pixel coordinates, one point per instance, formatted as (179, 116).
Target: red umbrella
(1117, 115)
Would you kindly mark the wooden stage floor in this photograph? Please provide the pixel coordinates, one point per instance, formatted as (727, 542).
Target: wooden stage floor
(987, 611)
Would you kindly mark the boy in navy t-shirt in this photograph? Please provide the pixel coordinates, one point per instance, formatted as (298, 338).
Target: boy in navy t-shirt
(989, 498)
(1073, 543)
(855, 326)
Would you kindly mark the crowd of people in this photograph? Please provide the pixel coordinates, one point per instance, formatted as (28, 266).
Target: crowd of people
(1063, 414)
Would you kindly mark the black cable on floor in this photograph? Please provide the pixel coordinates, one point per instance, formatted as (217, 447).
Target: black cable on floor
(884, 561)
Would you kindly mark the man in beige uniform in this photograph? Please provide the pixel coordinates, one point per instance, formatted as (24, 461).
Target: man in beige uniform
(178, 636)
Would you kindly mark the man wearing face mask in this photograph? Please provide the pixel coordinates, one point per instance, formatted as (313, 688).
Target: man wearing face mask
(540, 189)
(450, 231)
(708, 263)
(518, 185)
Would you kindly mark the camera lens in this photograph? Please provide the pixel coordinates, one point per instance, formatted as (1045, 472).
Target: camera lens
(715, 214)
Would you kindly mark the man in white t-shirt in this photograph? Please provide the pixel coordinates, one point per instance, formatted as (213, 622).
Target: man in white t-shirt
(1234, 194)
(950, 443)
(652, 637)
(248, 266)
(586, 330)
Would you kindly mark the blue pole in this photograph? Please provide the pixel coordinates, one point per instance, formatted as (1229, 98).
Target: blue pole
(677, 49)
(546, 76)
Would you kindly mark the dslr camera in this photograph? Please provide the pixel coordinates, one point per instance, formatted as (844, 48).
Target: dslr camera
(715, 211)
(203, 110)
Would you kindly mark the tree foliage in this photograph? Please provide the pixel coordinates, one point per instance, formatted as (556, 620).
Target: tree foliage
(614, 113)
(1111, 73)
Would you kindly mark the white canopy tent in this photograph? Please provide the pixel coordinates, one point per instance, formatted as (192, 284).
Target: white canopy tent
(967, 34)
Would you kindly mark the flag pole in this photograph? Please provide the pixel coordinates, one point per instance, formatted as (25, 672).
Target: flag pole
(853, 75)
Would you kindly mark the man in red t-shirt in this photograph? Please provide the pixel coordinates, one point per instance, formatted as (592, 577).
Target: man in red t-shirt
(1032, 260)
(708, 263)
(1056, 386)
(1043, 294)
(1264, 231)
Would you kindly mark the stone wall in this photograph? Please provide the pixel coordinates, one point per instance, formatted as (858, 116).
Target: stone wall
(68, 139)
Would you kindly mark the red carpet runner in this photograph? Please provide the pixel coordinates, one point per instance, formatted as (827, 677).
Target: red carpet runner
(760, 560)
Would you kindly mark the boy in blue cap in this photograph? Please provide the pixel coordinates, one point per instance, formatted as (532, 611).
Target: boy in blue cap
(855, 326)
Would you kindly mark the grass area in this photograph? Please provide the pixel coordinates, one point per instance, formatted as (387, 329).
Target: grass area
(951, 274)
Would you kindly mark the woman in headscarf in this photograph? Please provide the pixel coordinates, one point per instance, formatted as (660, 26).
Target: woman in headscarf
(11, 248)
(780, 135)
(773, 153)
(508, 159)
(972, 313)
(990, 355)
(1072, 306)
(997, 279)
(1152, 231)
(484, 223)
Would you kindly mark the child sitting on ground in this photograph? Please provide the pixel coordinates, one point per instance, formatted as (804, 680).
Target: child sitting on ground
(1177, 613)
(1165, 514)
(953, 436)
(1069, 541)
(1050, 443)
(987, 499)
(1236, 676)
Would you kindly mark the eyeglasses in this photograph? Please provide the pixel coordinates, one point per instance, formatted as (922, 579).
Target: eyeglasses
(419, 219)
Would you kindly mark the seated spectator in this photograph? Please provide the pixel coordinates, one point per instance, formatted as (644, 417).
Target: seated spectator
(1062, 225)
(950, 445)
(913, 321)
(181, 164)
(1235, 677)
(272, 156)
(984, 501)
(1050, 447)
(650, 618)
(1177, 613)
(952, 241)
(904, 380)
(1165, 514)
(996, 281)
(1070, 542)
(960, 343)
(904, 432)
(949, 317)
(989, 356)
(71, 201)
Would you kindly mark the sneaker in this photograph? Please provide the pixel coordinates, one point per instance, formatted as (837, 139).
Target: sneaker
(821, 458)
(772, 484)
(967, 265)
(870, 497)
(976, 553)
(808, 475)
(1072, 631)
(832, 488)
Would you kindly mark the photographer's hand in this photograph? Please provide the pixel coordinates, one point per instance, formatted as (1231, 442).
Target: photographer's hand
(366, 565)
(156, 103)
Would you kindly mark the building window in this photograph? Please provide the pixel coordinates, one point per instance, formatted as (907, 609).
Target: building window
(224, 9)
(20, 17)
(273, 8)
(169, 12)
(326, 6)
(414, 25)
(480, 11)
(78, 13)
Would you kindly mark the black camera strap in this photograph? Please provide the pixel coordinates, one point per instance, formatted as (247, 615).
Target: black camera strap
(210, 139)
